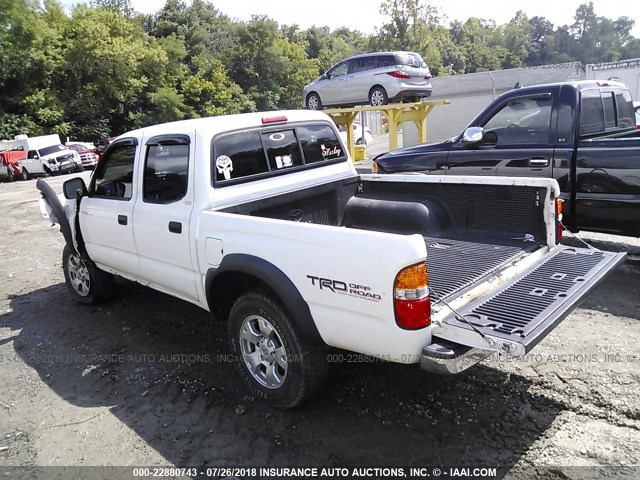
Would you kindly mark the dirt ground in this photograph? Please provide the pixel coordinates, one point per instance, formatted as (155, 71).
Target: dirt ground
(144, 380)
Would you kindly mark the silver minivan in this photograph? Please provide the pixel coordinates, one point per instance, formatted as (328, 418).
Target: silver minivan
(373, 78)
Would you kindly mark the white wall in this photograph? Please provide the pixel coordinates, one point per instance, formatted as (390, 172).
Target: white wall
(629, 76)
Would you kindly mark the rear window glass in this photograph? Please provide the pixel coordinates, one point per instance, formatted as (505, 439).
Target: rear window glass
(250, 153)
(238, 156)
(410, 60)
(319, 143)
(609, 110)
(591, 113)
(625, 109)
(282, 149)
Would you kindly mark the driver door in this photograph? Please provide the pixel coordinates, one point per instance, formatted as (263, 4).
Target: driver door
(106, 214)
(523, 148)
(334, 86)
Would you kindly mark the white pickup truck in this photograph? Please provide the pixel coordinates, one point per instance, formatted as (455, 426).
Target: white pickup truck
(262, 220)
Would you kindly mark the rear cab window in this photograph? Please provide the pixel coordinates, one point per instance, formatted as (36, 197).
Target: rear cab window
(605, 110)
(244, 156)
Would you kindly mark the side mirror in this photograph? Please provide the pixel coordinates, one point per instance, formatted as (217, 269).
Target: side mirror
(473, 135)
(74, 188)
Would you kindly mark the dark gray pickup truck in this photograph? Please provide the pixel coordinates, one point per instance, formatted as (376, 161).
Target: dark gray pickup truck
(583, 134)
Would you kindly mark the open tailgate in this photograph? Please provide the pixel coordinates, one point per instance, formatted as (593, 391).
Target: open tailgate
(517, 316)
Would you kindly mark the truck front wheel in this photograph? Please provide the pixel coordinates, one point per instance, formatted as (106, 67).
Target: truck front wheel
(272, 358)
(86, 282)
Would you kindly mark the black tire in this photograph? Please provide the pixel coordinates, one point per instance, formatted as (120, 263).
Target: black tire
(306, 367)
(10, 175)
(360, 141)
(48, 171)
(378, 96)
(100, 286)
(25, 174)
(314, 102)
(80, 168)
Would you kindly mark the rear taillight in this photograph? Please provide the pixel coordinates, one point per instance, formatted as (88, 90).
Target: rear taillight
(411, 298)
(375, 167)
(559, 226)
(428, 77)
(399, 74)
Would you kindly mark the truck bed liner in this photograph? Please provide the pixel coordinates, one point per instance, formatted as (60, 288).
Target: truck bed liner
(456, 264)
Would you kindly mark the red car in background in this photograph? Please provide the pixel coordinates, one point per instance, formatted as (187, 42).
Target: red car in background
(9, 167)
(88, 153)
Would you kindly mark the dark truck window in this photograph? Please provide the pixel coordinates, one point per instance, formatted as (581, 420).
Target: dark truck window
(319, 143)
(610, 119)
(522, 121)
(626, 111)
(282, 149)
(238, 156)
(591, 112)
(166, 173)
(114, 174)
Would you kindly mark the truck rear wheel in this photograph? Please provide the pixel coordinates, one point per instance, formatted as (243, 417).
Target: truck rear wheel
(272, 358)
(86, 282)
(25, 174)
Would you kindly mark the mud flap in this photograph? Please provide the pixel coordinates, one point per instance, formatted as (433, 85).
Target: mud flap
(516, 317)
(55, 211)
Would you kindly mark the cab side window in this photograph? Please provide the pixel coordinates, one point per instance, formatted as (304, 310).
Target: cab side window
(114, 175)
(166, 173)
(32, 154)
(522, 121)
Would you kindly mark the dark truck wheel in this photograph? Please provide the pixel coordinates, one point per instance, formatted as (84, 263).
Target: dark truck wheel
(87, 283)
(25, 174)
(272, 358)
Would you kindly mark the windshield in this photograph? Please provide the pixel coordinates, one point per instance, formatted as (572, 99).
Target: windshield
(77, 148)
(49, 150)
(410, 60)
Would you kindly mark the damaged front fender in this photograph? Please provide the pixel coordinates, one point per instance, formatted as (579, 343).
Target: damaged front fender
(51, 206)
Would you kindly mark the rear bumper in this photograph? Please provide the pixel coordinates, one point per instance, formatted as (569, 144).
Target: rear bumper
(447, 358)
(413, 92)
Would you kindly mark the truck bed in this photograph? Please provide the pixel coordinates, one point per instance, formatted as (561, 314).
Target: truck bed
(455, 264)
(470, 231)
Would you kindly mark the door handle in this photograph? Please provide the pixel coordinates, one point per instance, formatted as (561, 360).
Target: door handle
(175, 227)
(539, 162)
(122, 219)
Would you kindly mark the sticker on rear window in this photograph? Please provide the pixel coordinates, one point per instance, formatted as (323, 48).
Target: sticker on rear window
(224, 165)
(328, 153)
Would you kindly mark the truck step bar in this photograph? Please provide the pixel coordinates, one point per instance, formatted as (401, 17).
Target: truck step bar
(520, 314)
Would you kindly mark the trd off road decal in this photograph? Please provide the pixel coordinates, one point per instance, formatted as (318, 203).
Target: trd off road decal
(344, 288)
(224, 165)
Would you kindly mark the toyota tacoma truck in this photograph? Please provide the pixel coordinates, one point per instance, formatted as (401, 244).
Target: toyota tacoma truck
(583, 134)
(262, 220)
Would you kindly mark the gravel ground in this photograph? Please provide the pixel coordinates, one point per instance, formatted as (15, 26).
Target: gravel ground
(143, 381)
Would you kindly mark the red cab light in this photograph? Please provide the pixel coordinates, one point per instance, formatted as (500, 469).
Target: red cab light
(278, 119)
(398, 74)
